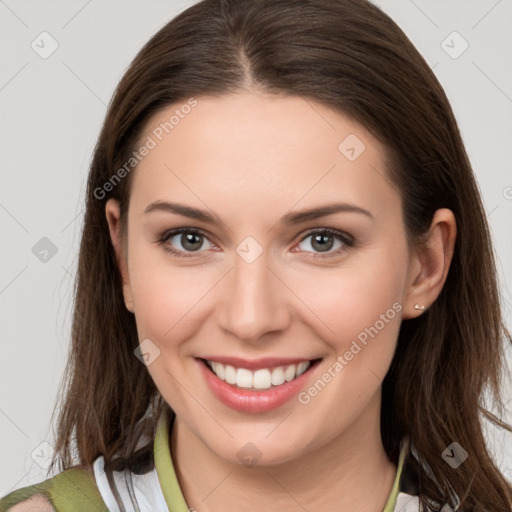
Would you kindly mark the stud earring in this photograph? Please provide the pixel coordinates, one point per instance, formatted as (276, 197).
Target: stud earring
(419, 307)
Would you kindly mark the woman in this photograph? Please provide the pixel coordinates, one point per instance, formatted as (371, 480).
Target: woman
(286, 294)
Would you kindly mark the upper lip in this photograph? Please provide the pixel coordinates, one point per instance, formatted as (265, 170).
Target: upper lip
(254, 364)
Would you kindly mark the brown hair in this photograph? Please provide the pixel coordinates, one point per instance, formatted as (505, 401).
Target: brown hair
(351, 57)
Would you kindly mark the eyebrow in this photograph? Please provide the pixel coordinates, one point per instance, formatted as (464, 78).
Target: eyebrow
(288, 219)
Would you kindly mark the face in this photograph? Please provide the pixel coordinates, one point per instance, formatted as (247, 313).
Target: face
(238, 288)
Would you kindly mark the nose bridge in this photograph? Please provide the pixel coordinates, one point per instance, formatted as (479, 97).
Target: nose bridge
(254, 301)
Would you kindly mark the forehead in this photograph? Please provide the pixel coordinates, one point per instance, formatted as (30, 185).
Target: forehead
(242, 149)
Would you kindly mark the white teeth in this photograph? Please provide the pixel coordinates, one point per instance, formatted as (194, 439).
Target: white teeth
(289, 373)
(302, 367)
(263, 378)
(243, 378)
(230, 374)
(277, 376)
(219, 370)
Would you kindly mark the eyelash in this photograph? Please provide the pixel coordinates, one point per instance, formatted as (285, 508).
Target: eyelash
(347, 240)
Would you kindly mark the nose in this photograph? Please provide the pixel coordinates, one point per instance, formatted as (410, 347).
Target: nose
(255, 301)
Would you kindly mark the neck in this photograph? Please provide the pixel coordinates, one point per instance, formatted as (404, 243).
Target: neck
(351, 472)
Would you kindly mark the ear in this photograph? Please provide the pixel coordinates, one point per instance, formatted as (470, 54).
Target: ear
(112, 212)
(430, 263)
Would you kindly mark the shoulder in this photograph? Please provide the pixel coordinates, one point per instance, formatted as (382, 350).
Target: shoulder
(72, 490)
(37, 503)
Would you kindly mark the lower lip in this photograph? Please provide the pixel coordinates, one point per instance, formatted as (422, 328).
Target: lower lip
(246, 400)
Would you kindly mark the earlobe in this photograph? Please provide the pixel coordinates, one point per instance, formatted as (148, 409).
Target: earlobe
(112, 213)
(431, 264)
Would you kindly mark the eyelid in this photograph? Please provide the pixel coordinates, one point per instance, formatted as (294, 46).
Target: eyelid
(171, 233)
(347, 240)
(335, 232)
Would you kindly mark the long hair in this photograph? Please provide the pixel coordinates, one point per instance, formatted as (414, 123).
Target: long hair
(353, 58)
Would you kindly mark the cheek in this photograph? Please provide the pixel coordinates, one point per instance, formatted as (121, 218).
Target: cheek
(166, 299)
(366, 324)
(167, 308)
(345, 302)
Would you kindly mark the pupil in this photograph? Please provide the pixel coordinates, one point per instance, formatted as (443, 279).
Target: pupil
(188, 243)
(323, 246)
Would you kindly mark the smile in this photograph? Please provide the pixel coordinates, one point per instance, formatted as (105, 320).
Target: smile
(256, 386)
(263, 378)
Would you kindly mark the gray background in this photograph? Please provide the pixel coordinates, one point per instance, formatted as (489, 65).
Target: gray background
(52, 110)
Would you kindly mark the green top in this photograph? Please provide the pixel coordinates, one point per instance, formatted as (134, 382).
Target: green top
(165, 468)
(72, 490)
(75, 490)
(391, 503)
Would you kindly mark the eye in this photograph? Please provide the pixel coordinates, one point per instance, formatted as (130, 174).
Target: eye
(190, 240)
(323, 240)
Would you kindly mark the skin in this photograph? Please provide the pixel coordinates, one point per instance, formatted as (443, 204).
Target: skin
(250, 158)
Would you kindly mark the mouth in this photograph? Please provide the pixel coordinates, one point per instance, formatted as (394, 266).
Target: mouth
(256, 386)
(261, 378)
